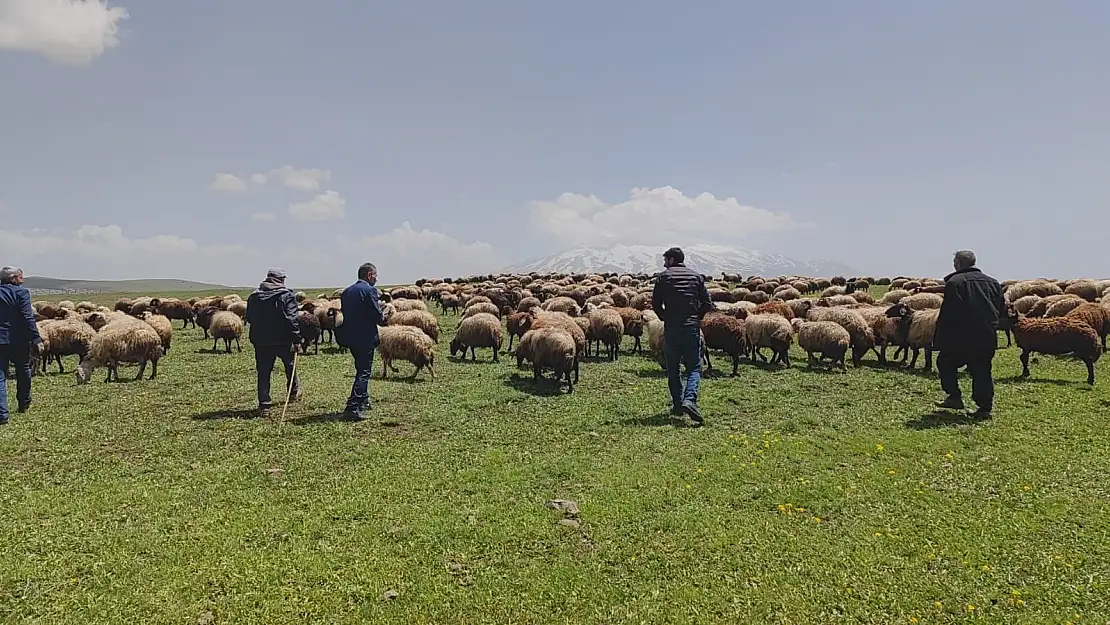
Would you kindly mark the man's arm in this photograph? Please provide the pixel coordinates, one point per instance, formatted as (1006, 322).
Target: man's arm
(29, 317)
(707, 301)
(376, 307)
(292, 315)
(657, 298)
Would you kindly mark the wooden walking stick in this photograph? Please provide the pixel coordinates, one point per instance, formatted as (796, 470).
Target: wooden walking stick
(289, 390)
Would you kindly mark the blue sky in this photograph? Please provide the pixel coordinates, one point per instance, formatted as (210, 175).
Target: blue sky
(437, 137)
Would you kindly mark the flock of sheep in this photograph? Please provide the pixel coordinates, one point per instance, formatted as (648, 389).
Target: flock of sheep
(557, 320)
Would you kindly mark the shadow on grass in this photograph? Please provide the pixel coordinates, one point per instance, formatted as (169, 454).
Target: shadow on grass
(546, 387)
(403, 378)
(657, 420)
(467, 361)
(1017, 379)
(332, 350)
(216, 415)
(941, 418)
(651, 373)
(327, 417)
(219, 350)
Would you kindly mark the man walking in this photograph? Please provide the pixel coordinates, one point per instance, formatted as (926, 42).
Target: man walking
(275, 333)
(18, 336)
(967, 333)
(680, 299)
(362, 314)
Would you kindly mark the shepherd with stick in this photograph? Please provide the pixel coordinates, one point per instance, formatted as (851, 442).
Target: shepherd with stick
(275, 333)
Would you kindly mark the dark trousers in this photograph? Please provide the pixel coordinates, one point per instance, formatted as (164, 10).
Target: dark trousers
(20, 359)
(682, 346)
(978, 367)
(360, 390)
(264, 357)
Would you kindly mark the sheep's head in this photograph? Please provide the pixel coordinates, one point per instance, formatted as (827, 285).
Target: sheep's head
(1010, 313)
(387, 311)
(805, 306)
(899, 311)
(457, 346)
(84, 371)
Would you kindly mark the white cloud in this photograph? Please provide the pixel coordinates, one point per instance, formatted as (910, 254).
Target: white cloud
(228, 183)
(263, 216)
(328, 206)
(258, 179)
(294, 178)
(652, 216)
(405, 254)
(65, 31)
(105, 252)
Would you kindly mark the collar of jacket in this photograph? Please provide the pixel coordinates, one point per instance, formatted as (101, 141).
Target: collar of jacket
(970, 269)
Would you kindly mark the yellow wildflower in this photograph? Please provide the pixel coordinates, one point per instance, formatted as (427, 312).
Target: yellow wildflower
(879, 447)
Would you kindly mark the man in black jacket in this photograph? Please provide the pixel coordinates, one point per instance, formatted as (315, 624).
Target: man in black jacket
(275, 333)
(967, 333)
(680, 299)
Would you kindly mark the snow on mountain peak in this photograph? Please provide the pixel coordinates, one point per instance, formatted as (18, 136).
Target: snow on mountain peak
(705, 258)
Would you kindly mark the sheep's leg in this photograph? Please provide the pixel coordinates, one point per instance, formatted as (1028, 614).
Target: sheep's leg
(142, 370)
(913, 361)
(639, 348)
(1010, 340)
(511, 337)
(153, 368)
(535, 373)
(1024, 363)
(812, 361)
(60, 368)
(576, 369)
(784, 358)
(928, 359)
(708, 364)
(1090, 370)
(496, 348)
(735, 362)
(882, 355)
(238, 345)
(215, 346)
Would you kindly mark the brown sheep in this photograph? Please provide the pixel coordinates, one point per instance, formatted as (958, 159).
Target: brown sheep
(776, 307)
(1098, 317)
(725, 333)
(177, 310)
(1056, 336)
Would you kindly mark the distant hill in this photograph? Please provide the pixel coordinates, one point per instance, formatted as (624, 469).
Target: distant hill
(39, 284)
(708, 259)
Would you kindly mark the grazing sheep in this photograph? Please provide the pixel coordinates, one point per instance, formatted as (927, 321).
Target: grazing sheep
(99, 319)
(916, 329)
(727, 334)
(123, 305)
(300, 296)
(633, 325)
(1085, 289)
(923, 301)
(518, 324)
(478, 330)
(421, 319)
(1032, 287)
(564, 305)
(162, 326)
(330, 316)
(884, 329)
(203, 317)
(309, 325)
(88, 307)
(894, 296)
(772, 331)
(476, 299)
(757, 297)
(528, 303)
(1041, 306)
(1098, 317)
(775, 307)
(832, 291)
(238, 308)
(543, 319)
(786, 294)
(550, 348)
(1064, 306)
(408, 343)
(1025, 304)
(69, 337)
(836, 300)
(800, 307)
(481, 308)
(406, 305)
(449, 301)
(607, 327)
(827, 338)
(862, 337)
(1056, 336)
(67, 305)
(177, 310)
(228, 326)
(122, 341)
(640, 301)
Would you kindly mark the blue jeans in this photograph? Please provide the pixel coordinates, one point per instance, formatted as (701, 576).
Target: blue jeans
(264, 358)
(360, 391)
(682, 345)
(21, 360)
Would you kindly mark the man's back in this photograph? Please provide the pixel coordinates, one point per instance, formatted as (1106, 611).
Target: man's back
(969, 316)
(680, 296)
(15, 303)
(273, 317)
(361, 315)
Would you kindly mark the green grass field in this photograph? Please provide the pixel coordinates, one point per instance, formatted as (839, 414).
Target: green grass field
(809, 497)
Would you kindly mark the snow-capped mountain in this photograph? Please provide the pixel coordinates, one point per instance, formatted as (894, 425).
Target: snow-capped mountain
(707, 259)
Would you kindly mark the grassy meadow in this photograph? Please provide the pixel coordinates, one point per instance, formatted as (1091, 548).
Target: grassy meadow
(809, 497)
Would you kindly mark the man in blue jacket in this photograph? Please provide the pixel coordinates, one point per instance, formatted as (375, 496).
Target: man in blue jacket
(680, 299)
(18, 336)
(275, 333)
(362, 314)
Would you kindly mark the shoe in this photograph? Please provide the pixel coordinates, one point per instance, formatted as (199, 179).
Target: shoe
(264, 411)
(691, 410)
(982, 413)
(676, 411)
(296, 396)
(3, 420)
(23, 408)
(952, 403)
(352, 415)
